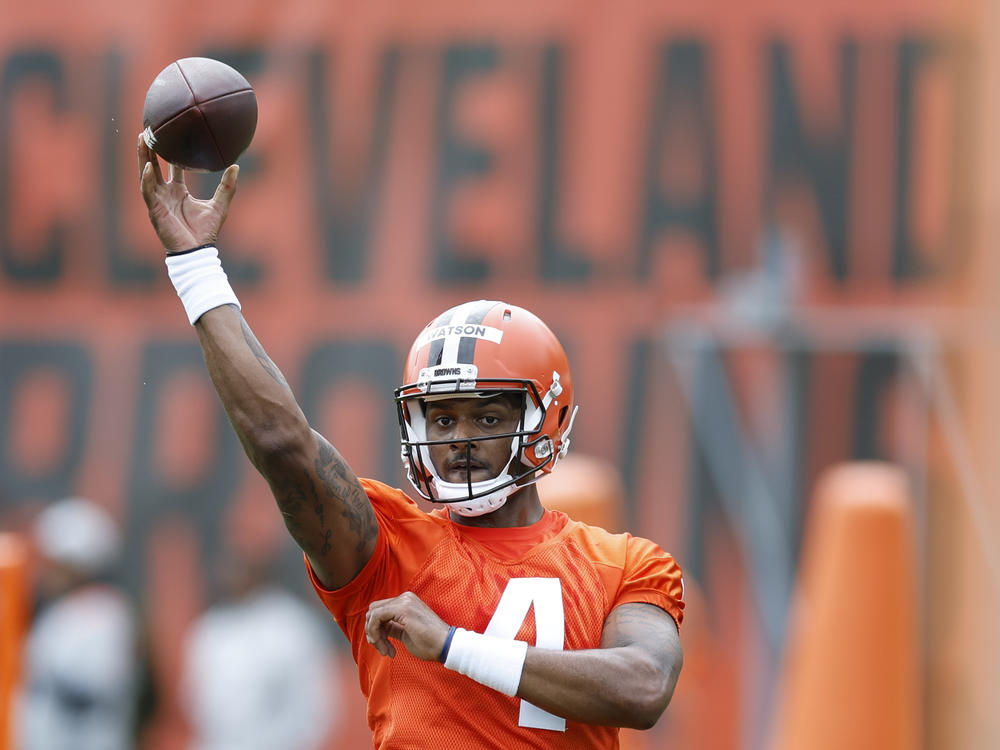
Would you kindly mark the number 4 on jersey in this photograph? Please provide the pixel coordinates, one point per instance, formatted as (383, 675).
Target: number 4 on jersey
(518, 596)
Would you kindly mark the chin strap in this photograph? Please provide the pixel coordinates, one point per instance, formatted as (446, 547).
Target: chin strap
(476, 506)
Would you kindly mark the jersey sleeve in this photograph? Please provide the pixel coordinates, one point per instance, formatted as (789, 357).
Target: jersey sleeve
(652, 576)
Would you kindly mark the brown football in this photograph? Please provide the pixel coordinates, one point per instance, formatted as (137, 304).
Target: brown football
(199, 114)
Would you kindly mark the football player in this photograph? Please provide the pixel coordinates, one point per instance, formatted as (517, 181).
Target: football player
(519, 627)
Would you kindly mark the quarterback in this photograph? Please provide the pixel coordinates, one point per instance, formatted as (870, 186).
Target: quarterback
(490, 622)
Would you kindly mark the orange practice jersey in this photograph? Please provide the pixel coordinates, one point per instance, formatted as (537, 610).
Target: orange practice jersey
(559, 580)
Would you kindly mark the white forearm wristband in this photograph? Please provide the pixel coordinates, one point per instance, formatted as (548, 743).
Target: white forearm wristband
(487, 659)
(200, 281)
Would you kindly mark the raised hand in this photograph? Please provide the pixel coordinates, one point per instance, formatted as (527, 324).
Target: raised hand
(182, 221)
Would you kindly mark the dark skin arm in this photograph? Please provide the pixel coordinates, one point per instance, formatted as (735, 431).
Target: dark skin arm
(627, 682)
(324, 506)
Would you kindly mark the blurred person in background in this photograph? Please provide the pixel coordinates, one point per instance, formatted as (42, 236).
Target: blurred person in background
(258, 665)
(485, 412)
(82, 667)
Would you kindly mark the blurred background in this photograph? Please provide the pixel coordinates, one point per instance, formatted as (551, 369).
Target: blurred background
(765, 232)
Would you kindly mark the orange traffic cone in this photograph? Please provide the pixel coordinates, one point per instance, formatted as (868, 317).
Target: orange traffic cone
(13, 622)
(851, 677)
(586, 489)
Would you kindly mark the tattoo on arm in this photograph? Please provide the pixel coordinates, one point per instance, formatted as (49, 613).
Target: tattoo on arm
(258, 351)
(296, 496)
(297, 499)
(341, 482)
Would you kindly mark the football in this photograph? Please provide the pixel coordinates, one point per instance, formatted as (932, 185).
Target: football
(199, 114)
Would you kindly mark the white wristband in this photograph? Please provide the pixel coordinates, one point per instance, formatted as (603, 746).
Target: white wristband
(487, 659)
(200, 282)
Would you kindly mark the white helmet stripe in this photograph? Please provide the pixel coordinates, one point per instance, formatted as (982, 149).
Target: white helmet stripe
(455, 348)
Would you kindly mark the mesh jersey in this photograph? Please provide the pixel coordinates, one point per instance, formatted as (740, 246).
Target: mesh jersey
(461, 573)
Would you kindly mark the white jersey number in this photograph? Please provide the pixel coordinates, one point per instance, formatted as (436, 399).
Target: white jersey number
(550, 628)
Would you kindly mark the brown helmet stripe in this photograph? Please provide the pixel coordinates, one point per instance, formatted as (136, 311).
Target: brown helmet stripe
(467, 346)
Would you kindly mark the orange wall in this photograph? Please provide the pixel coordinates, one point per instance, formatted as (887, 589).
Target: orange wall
(613, 166)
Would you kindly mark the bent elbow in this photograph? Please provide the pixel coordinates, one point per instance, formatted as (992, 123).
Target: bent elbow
(648, 712)
(645, 723)
(653, 701)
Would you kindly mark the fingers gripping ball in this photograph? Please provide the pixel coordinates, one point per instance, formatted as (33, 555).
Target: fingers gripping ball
(200, 114)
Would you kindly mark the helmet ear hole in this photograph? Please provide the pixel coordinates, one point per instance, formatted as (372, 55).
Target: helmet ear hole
(562, 415)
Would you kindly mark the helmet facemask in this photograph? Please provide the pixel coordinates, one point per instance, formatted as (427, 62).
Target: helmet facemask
(479, 349)
(472, 498)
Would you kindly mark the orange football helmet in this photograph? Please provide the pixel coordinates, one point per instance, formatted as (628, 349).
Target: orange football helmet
(479, 349)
